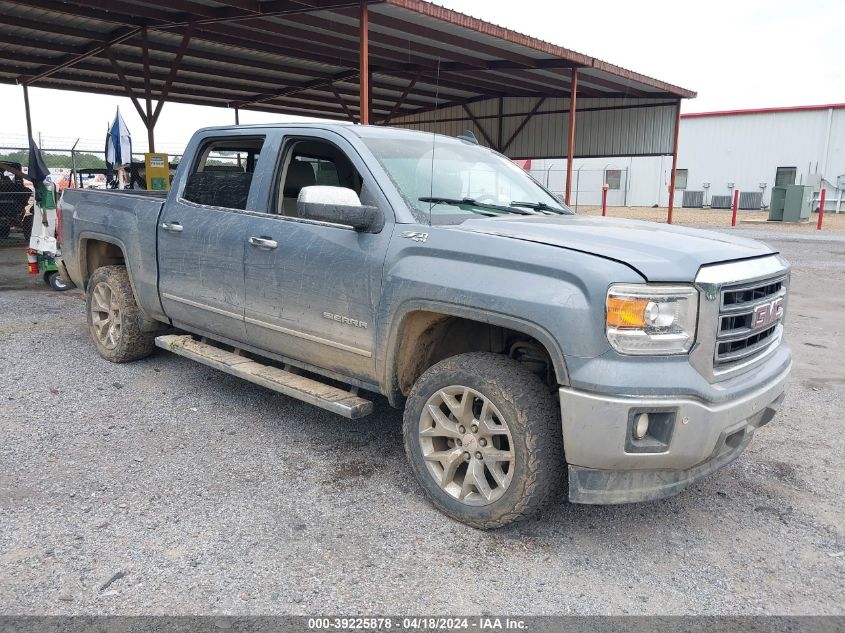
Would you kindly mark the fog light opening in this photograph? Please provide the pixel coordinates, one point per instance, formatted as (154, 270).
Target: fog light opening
(641, 426)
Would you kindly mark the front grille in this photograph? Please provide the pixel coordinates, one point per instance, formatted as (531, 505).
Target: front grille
(739, 339)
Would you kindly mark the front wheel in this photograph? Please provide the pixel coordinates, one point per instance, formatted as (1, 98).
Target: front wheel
(483, 437)
(114, 318)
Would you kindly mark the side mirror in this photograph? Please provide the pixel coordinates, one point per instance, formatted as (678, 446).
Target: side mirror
(338, 205)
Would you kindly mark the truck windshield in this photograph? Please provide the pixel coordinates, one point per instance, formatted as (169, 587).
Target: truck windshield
(448, 180)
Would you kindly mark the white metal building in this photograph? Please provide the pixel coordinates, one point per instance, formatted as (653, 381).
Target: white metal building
(751, 150)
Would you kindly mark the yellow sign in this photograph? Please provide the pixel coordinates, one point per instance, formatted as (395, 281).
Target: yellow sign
(158, 171)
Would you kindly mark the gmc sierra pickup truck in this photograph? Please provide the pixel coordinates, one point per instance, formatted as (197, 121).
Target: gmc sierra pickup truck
(529, 346)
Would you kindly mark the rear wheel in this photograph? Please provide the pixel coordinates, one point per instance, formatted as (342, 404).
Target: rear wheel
(483, 438)
(114, 317)
(55, 281)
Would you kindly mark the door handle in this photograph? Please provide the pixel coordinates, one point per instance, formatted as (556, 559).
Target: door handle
(173, 227)
(263, 242)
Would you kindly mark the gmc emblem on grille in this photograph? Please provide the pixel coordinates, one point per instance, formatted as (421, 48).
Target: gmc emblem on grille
(766, 313)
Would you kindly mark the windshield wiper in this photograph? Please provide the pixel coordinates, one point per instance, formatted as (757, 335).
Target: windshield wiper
(539, 206)
(471, 202)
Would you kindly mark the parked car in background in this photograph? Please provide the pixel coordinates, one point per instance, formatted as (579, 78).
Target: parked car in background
(15, 200)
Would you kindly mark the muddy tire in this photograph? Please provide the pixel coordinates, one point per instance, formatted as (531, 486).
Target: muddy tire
(483, 437)
(114, 319)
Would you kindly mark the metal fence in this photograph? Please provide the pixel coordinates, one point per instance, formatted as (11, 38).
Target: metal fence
(81, 168)
(587, 185)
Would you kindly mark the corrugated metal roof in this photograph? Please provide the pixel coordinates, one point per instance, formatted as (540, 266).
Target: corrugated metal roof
(294, 56)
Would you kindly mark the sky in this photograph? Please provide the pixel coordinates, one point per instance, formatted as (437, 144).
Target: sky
(735, 54)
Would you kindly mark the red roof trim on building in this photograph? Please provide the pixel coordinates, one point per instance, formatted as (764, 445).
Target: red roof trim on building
(830, 106)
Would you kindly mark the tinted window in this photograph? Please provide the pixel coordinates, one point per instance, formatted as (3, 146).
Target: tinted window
(222, 175)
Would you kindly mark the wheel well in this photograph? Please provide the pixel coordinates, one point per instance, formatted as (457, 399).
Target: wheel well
(427, 338)
(99, 253)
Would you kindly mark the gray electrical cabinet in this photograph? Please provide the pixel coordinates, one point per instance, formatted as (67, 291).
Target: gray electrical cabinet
(798, 203)
(776, 204)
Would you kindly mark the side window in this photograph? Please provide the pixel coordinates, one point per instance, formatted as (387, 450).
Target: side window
(325, 171)
(306, 163)
(222, 174)
(785, 176)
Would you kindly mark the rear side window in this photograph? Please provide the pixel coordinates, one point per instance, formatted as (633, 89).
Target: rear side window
(222, 173)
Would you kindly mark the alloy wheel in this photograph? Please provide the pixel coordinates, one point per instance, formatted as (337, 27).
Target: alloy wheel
(467, 445)
(106, 317)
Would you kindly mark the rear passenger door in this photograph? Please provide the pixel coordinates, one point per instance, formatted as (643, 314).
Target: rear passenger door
(312, 288)
(201, 238)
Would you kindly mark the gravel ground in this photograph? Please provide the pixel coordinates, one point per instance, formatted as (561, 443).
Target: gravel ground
(164, 487)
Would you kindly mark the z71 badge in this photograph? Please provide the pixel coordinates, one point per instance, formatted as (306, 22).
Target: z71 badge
(345, 320)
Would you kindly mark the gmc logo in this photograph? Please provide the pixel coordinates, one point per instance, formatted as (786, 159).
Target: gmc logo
(766, 313)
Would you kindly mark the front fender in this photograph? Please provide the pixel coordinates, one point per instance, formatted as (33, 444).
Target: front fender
(511, 322)
(555, 295)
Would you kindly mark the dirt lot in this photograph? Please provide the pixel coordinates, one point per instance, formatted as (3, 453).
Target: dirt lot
(721, 218)
(168, 488)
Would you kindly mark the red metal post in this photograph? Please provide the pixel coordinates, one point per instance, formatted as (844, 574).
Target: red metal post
(150, 123)
(570, 149)
(821, 209)
(674, 164)
(364, 66)
(734, 207)
(604, 200)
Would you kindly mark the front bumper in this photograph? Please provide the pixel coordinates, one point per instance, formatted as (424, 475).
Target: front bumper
(605, 467)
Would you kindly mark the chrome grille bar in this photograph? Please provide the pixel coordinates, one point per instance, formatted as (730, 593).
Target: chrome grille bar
(737, 339)
(727, 340)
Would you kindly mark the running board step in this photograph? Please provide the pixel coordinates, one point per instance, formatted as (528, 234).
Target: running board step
(311, 391)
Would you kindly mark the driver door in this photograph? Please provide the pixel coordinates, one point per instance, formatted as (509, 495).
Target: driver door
(312, 288)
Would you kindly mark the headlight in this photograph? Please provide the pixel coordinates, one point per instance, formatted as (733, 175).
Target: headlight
(651, 319)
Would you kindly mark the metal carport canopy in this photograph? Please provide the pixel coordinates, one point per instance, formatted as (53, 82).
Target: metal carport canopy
(404, 62)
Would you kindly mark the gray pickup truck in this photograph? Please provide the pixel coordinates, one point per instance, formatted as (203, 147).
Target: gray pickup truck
(529, 346)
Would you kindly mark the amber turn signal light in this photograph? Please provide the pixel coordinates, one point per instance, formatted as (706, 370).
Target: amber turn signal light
(626, 313)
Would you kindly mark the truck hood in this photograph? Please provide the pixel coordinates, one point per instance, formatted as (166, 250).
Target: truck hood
(659, 252)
